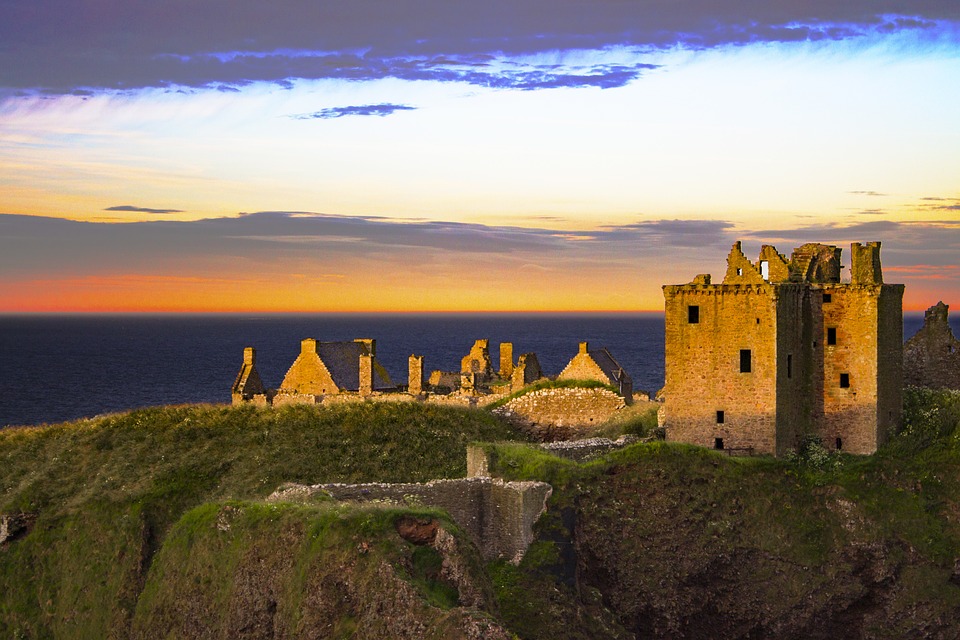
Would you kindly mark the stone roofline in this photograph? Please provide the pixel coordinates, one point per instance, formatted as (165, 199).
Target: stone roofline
(812, 264)
(769, 287)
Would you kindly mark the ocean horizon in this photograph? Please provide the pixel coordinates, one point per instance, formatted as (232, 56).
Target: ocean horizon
(59, 367)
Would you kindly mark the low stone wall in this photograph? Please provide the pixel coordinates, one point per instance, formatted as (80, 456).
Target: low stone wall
(478, 461)
(497, 515)
(567, 408)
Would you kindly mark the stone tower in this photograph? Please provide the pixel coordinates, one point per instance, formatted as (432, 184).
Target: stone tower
(783, 348)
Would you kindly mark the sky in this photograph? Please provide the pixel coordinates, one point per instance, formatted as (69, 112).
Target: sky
(438, 155)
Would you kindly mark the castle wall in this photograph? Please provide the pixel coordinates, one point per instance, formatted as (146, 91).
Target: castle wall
(703, 362)
(850, 413)
(794, 370)
(497, 515)
(889, 361)
(563, 407)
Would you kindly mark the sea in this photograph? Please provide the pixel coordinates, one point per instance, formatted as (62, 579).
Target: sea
(55, 368)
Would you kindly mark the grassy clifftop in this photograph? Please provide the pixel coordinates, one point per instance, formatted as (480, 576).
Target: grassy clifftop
(152, 524)
(107, 492)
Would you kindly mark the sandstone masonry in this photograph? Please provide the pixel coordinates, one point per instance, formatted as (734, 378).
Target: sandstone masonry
(931, 358)
(782, 349)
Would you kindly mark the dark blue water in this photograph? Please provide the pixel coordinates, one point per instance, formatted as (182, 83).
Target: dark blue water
(55, 368)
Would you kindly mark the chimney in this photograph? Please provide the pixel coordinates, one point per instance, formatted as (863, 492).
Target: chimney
(249, 355)
(584, 347)
(308, 345)
(506, 359)
(366, 374)
(370, 344)
(415, 381)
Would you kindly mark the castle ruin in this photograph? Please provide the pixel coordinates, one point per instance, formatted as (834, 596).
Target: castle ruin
(931, 358)
(781, 349)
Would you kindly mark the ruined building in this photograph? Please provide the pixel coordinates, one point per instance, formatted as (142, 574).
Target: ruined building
(931, 358)
(599, 365)
(781, 349)
(321, 369)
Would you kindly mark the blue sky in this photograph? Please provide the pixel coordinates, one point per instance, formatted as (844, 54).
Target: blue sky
(531, 148)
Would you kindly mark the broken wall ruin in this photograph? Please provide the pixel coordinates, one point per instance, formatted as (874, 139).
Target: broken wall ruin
(498, 516)
(931, 358)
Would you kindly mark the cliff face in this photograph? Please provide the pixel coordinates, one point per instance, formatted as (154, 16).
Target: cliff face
(667, 541)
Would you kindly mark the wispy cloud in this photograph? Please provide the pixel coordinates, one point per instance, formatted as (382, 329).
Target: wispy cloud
(131, 208)
(874, 194)
(360, 110)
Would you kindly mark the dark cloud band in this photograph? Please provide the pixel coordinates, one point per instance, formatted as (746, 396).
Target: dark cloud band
(133, 209)
(67, 46)
(360, 110)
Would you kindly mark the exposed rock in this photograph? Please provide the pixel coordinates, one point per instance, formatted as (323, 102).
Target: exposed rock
(12, 526)
(419, 531)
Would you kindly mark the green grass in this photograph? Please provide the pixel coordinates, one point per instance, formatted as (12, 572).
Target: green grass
(107, 491)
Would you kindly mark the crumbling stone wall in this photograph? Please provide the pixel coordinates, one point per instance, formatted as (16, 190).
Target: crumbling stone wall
(558, 411)
(497, 515)
(931, 358)
(526, 372)
(479, 462)
(478, 361)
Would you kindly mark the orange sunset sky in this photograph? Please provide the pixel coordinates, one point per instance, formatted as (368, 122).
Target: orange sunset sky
(395, 156)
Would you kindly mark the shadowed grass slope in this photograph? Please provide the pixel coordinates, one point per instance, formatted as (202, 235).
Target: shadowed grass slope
(667, 540)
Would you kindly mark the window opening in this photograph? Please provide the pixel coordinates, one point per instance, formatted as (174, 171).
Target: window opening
(839, 444)
(745, 361)
(718, 443)
(789, 365)
(693, 314)
(827, 297)
(844, 380)
(765, 269)
(831, 335)
(719, 417)
(739, 271)
(758, 320)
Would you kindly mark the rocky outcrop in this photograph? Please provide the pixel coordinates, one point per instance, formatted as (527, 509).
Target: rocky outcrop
(12, 526)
